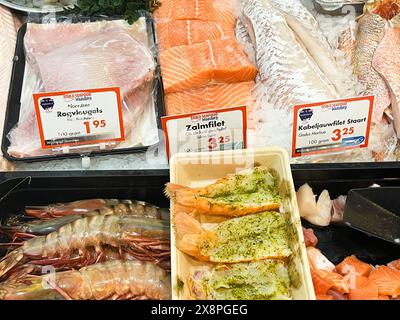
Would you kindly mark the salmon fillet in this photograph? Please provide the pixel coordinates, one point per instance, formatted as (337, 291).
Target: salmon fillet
(351, 265)
(362, 288)
(210, 97)
(186, 32)
(215, 61)
(211, 10)
(388, 281)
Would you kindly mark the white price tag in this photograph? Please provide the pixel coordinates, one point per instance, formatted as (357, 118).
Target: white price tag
(81, 117)
(222, 129)
(331, 126)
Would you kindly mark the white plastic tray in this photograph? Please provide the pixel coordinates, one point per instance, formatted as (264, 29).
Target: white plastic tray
(201, 169)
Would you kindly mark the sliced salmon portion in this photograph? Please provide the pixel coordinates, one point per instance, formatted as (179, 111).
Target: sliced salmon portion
(394, 264)
(324, 297)
(211, 10)
(210, 97)
(186, 32)
(382, 297)
(195, 66)
(318, 261)
(388, 281)
(362, 288)
(353, 265)
(324, 280)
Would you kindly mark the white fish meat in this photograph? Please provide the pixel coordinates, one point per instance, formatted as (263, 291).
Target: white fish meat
(371, 29)
(290, 76)
(386, 62)
(8, 36)
(310, 35)
(111, 58)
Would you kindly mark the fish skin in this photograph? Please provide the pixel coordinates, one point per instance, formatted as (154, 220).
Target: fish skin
(371, 30)
(208, 10)
(386, 62)
(8, 36)
(288, 73)
(309, 33)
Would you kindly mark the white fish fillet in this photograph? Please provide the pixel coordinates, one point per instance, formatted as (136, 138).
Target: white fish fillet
(386, 62)
(289, 74)
(308, 32)
(370, 32)
(8, 37)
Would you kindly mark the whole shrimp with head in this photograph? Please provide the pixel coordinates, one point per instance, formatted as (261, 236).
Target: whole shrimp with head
(112, 280)
(144, 238)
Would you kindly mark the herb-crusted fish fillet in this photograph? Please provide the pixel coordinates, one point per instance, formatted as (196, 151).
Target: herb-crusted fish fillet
(261, 280)
(250, 191)
(243, 239)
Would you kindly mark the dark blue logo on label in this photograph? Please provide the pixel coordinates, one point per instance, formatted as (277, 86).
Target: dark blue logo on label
(47, 104)
(306, 114)
(353, 141)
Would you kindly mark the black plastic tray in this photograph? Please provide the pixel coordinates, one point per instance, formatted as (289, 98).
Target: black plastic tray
(18, 189)
(14, 103)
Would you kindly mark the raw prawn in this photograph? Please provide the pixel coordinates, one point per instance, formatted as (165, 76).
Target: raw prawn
(250, 238)
(144, 238)
(93, 207)
(250, 191)
(109, 280)
(67, 213)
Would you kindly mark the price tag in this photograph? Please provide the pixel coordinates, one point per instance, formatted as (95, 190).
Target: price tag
(80, 117)
(222, 129)
(331, 126)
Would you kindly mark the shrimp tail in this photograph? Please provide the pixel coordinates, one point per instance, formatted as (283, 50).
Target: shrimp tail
(190, 234)
(10, 261)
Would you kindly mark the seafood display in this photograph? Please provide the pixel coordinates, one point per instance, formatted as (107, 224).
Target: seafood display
(203, 65)
(113, 53)
(250, 191)
(121, 247)
(352, 278)
(234, 239)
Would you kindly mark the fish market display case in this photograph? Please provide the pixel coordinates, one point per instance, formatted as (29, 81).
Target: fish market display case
(337, 241)
(18, 189)
(14, 106)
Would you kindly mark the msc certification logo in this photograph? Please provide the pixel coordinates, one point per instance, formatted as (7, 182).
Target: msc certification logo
(306, 114)
(47, 104)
